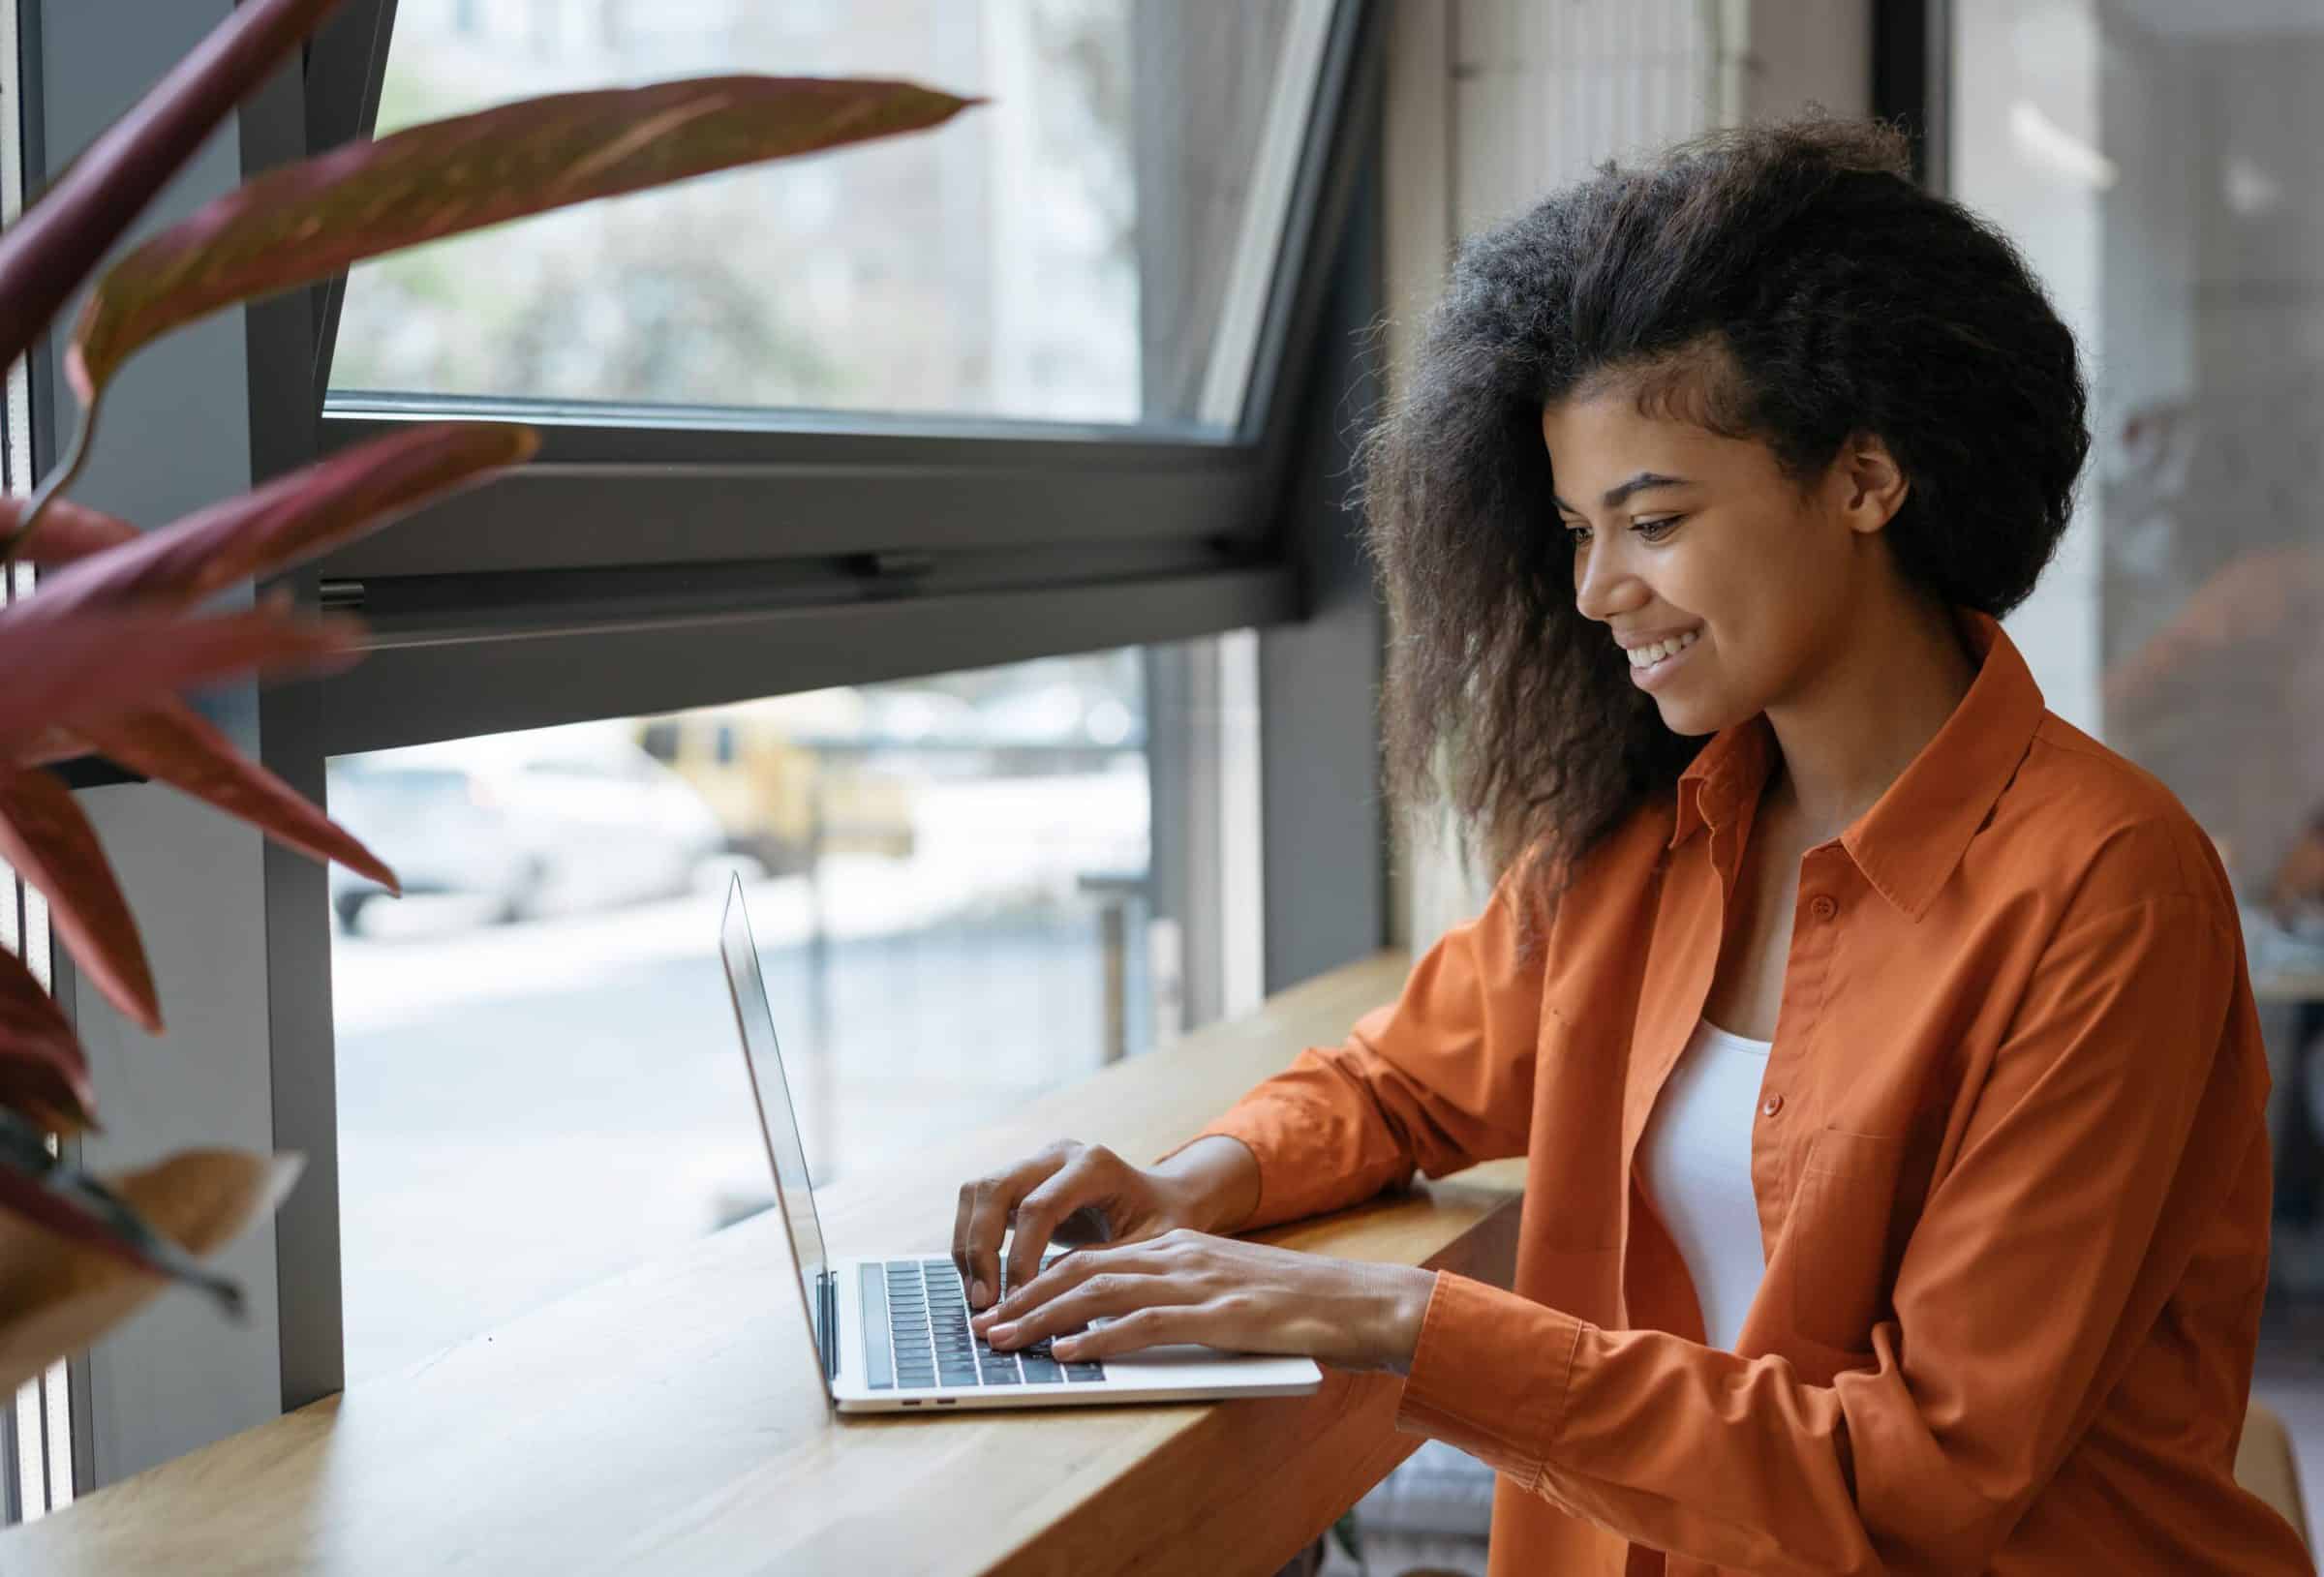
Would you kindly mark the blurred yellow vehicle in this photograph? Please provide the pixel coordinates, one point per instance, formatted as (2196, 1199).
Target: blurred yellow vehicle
(785, 777)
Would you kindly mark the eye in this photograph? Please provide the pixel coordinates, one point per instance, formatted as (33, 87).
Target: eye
(1654, 530)
(1580, 534)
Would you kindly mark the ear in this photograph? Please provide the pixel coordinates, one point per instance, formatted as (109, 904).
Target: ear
(1867, 484)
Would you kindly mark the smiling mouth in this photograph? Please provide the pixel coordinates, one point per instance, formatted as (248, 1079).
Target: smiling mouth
(1645, 659)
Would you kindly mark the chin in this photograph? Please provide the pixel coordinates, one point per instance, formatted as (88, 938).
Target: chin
(1694, 716)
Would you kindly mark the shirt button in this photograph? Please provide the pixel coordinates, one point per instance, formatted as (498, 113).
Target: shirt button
(1823, 906)
(1772, 1104)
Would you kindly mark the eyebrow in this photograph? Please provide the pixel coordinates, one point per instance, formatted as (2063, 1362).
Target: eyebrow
(1621, 490)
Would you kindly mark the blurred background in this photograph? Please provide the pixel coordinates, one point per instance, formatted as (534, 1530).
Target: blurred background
(949, 875)
(946, 879)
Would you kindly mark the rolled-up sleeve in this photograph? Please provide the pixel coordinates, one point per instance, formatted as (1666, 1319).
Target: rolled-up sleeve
(1439, 1079)
(2044, 1252)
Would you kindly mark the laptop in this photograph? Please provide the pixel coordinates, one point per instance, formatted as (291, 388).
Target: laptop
(890, 1331)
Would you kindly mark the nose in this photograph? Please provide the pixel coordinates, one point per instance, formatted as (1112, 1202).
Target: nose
(1603, 587)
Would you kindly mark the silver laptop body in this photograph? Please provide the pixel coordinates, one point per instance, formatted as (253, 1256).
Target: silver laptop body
(890, 1331)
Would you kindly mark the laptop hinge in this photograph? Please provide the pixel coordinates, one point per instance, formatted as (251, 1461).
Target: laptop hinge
(827, 1293)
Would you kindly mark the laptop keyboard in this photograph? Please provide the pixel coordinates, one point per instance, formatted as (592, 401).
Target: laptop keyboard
(927, 1344)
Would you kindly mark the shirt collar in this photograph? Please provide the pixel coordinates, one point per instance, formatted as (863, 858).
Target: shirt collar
(1908, 844)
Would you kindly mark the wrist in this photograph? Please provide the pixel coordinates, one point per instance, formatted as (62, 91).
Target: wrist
(1405, 1292)
(1213, 1183)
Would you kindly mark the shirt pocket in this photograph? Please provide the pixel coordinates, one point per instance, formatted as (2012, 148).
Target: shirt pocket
(1842, 1241)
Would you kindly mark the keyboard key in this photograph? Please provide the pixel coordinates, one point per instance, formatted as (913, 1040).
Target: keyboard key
(1041, 1371)
(1085, 1371)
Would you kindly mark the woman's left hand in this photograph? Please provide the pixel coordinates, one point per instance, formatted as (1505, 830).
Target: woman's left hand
(1245, 1297)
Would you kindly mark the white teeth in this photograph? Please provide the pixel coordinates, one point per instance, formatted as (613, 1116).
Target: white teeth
(1646, 656)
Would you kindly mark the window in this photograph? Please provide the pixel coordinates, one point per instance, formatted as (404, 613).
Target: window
(539, 1082)
(690, 539)
(1093, 245)
(2156, 163)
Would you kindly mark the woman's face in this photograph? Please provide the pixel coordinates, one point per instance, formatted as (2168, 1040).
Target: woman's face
(1731, 588)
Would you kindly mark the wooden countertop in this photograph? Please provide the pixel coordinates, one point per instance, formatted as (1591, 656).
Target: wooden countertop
(672, 1419)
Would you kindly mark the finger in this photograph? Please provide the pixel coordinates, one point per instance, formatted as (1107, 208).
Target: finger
(1105, 1296)
(1039, 1212)
(989, 1219)
(1069, 1272)
(1157, 1325)
(959, 1227)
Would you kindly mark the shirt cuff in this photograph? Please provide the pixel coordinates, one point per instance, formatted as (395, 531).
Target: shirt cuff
(1490, 1375)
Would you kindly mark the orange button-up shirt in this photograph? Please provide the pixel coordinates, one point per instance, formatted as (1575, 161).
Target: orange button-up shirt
(2009, 1156)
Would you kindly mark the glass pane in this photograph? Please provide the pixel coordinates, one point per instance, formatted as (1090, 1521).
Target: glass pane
(1091, 246)
(2157, 164)
(539, 1078)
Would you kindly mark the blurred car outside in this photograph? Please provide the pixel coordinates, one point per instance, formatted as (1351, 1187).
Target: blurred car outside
(543, 821)
(789, 778)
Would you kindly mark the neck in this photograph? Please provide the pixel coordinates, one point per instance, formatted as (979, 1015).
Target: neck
(1853, 731)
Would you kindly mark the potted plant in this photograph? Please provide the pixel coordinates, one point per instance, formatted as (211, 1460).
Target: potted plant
(117, 625)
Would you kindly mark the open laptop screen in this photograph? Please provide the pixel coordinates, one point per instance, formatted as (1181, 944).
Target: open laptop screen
(778, 1117)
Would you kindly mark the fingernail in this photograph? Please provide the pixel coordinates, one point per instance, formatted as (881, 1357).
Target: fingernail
(1001, 1334)
(976, 1294)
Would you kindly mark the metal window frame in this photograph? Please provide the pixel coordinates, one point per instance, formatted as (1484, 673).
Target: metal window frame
(654, 561)
(1911, 55)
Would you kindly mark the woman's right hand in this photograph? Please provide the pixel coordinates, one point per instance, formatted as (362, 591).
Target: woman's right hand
(1081, 1194)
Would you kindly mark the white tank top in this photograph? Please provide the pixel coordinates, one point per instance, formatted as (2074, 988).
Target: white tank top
(1696, 1158)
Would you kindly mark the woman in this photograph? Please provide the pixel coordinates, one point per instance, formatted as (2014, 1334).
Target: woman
(1886, 1066)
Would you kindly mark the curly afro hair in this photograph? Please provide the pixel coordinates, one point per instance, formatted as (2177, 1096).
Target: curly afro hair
(1786, 283)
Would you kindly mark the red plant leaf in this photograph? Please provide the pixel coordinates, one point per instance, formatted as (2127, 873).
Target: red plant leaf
(66, 667)
(53, 846)
(309, 220)
(173, 744)
(50, 745)
(288, 520)
(68, 531)
(44, 1073)
(48, 251)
